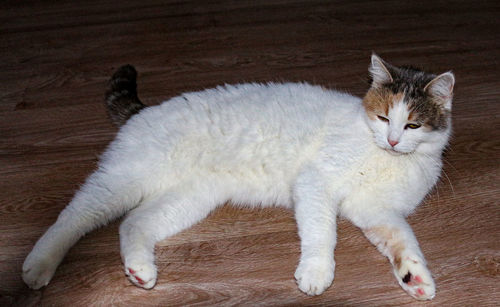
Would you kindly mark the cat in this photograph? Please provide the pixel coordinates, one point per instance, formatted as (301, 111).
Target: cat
(321, 152)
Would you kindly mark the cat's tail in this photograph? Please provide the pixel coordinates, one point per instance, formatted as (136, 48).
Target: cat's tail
(121, 98)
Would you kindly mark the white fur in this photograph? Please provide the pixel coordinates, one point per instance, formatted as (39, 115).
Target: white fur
(295, 145)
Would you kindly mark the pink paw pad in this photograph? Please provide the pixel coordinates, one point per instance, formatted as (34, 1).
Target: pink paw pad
(140, 281)
(418, 279)
(420, 291)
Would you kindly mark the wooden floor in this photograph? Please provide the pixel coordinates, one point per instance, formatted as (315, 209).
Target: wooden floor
(56, 58)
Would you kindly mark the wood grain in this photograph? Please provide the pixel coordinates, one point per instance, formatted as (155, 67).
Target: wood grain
(57, 57)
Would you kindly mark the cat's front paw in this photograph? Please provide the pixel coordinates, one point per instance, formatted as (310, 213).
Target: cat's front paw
(141, 273)
(415, 278)
(315, 275)
(38, 269)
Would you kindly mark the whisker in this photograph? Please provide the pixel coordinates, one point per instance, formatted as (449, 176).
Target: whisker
(449, 163)
(423, 166)
(449, 181)
(446, 175)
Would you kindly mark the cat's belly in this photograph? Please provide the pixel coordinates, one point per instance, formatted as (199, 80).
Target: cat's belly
(258, 173)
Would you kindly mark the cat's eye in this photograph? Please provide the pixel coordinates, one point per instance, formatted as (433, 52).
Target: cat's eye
(382, 118)
(412, 126)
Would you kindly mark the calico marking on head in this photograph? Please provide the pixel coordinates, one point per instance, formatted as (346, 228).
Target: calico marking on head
(403, 103)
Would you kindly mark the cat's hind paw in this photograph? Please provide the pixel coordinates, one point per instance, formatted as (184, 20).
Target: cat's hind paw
(141, 274)
(314, 276)
(38, 270)
(415, 278)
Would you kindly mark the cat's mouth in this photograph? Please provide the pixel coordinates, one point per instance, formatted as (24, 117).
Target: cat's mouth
(391, 150)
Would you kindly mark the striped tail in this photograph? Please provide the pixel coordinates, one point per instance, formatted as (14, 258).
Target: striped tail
(121, 98)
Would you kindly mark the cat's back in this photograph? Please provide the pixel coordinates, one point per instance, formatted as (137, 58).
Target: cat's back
(279, 105)
(243, 116)
(282, 120)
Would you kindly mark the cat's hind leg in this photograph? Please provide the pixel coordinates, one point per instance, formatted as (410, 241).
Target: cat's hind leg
(157, 218)
(394, 238)
(101, 199)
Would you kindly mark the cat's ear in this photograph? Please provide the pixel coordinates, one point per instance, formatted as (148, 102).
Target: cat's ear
(441, 88)
(379, 72)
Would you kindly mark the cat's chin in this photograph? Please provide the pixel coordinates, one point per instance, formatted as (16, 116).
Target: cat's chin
(394, 152)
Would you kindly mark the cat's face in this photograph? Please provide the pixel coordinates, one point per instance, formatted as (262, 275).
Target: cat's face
(408, 110)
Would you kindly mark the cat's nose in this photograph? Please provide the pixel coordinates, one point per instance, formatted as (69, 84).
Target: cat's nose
(392, 142)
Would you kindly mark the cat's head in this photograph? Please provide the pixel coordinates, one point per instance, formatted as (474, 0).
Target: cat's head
(408, 110)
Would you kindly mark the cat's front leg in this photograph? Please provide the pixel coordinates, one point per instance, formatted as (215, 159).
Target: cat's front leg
(158, 218)
(315, 212)
(394, 238)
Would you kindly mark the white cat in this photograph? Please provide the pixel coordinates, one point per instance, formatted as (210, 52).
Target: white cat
(317, 151)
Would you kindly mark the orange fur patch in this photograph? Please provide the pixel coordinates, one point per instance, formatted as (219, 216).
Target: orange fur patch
(413, 116)
(388, 237)
(379, 101)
